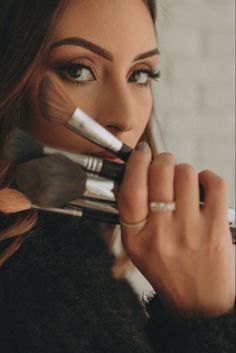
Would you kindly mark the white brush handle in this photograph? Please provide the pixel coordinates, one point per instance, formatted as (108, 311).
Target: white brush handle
(90, 129)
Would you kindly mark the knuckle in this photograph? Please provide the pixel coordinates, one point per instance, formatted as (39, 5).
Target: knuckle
(213, 180)
(186, 168)
(164, 172)
(137, 195)
(125, 203)
(206, 174)
(130, 196)
(205, 171)
(160, 243)
(123, 195)
(215, 241)
(166, 251)
(219, 183)
(186, 229)
(166, 156)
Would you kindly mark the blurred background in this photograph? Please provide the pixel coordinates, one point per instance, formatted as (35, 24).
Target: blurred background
(195, 98)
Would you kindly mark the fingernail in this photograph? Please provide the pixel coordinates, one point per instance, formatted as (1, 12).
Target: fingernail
(142, 146)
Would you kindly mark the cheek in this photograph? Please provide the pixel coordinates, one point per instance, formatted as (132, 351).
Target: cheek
(83, 96)
(33, 97)
(143, 110)
(145, 104)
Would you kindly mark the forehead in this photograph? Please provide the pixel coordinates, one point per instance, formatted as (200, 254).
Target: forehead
(113, 24)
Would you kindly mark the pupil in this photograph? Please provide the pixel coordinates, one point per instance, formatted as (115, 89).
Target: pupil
(74, 71)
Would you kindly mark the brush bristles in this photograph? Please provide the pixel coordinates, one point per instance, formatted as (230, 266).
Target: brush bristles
(12, 201)
(51, 181)
(20, 147)
(54, 102)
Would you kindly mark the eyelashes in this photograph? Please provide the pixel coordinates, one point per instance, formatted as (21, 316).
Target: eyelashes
(150, 74)
(77, 72)
(82, 74)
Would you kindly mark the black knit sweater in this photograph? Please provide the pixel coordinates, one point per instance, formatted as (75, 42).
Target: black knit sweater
(57, 295)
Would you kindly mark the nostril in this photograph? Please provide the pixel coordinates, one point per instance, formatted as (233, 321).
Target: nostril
(119, 127)
(113, 127)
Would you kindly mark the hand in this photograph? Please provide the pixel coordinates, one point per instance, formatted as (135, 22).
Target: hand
(186, 254)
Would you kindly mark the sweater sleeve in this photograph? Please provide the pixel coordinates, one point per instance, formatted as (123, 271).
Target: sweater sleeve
(192, 334)
(6, 344)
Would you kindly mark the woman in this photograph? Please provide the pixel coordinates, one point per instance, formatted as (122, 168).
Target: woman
(57, 293)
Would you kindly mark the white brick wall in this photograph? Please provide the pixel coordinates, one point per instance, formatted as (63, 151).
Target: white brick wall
(195, 98)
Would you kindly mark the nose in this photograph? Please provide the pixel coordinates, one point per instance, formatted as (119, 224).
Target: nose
(116, 109)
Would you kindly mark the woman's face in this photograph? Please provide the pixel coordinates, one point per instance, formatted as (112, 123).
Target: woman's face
(103, 70)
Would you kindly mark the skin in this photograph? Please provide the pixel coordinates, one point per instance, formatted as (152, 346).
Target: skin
(186, 255)
(125, 36)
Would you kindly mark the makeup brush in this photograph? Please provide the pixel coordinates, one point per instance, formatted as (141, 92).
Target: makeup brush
(13, 201)
(20, 147)
(94, 204)
(57, 106)
(84, 214)
(54, 180)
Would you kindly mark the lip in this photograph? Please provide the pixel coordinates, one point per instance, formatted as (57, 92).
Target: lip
(108, 156)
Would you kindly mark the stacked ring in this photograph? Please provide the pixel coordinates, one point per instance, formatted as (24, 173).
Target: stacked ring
(162, 206)
(154, 207)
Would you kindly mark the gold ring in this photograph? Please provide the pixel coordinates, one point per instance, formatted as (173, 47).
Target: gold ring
(134, 225)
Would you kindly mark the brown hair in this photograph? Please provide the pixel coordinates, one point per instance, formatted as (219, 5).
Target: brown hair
(25, 30)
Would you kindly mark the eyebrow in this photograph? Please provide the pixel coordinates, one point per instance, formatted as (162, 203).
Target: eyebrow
(99, 50)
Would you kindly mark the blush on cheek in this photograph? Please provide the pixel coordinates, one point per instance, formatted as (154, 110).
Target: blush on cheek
(33, 96)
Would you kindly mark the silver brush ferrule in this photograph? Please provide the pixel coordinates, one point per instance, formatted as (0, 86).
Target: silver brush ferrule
(91, 164)
(81, 123)
(94, 164)
(76, 212)
(101, 188)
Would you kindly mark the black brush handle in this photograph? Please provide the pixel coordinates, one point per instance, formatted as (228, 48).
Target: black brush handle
(115, 171)
(82, 213)
(114, 219)
(202, 194)
(112, 170)
(98, 216)
(124, 153)
(233, 233)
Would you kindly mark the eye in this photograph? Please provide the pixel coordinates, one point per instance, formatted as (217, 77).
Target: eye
(77, 72)
(143, 77)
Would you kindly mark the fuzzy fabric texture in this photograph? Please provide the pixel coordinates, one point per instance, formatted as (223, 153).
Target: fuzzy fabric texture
(57, 295)
(188, 334)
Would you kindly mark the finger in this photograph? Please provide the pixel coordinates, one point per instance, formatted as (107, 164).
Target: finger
(133, 194)
(215, 195)
(186, 190)
(161, 181)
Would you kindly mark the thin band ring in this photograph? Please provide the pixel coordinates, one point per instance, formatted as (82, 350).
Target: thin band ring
(134, 225)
